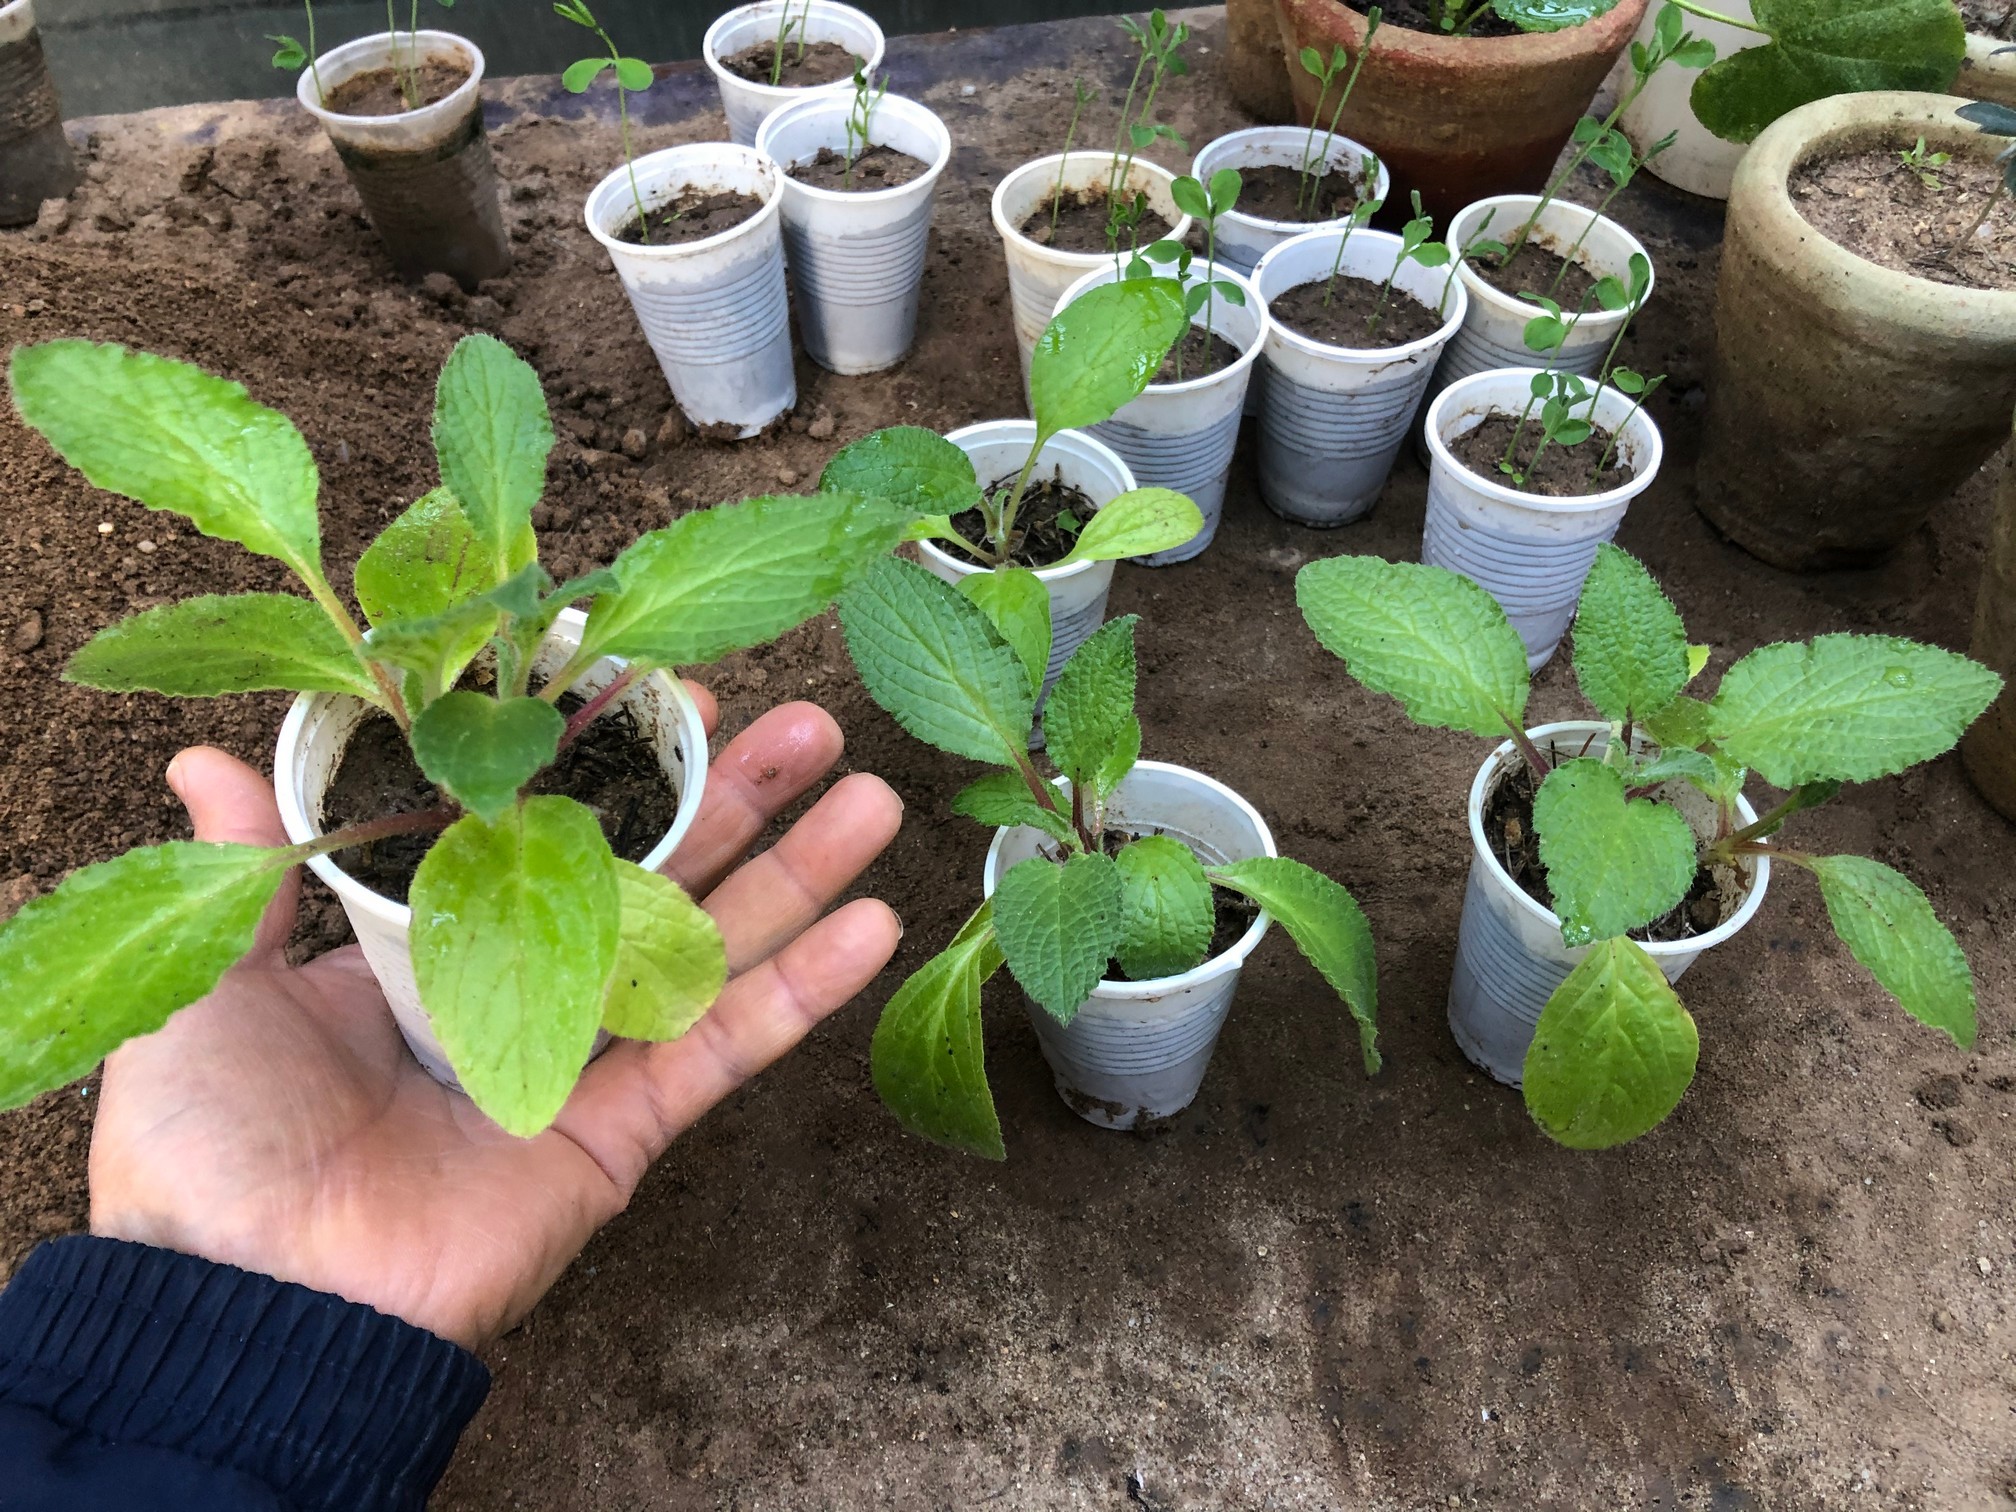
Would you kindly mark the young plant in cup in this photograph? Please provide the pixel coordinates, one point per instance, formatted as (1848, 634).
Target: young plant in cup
(1204, 205)
(785, 27)
(1081, 96)
(860, 117)
(1312, 170)
(292, 56)
(1159, 45)
(631, 74)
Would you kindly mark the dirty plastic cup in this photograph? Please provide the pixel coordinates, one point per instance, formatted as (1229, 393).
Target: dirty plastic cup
(1244, 239)
(748, 102)
(36, 163)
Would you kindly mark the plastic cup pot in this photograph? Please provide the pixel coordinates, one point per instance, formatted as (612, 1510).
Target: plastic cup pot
(36, 163)
(1332, 419)
(1137, 1051)
(1039, 275)
(1698, 161)
(1181, 435)
(748, 102)
(856, 256)
(714, 310)
(1528, 551)
(1509, 955)
(425, 176)
(315, 734)
(1244, 239)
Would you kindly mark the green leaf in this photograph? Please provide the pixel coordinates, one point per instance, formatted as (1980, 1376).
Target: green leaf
(436, 648)
(1432, 638)
(1327, 926)
(172, 437)
(928, 1054)
(1613, 1053)
(428, 560)
(634, 74)
(1888, 925)
(737, 575)
(1058, 927)
(581, 74)
(1088, 725)
(1697, 660)
(515, 929)
(1018, 606)
(1002, 800)
(1190, 197)
(223, 643)
(491, 437)
(1550, 15)
(670, 962)
(119, 947)
(907, 465)
(1691, 766)
(1136, 524)
(1630, 647)
(931, 657)
(1166, 911)
(1613, 864)
(1101, 350)
(1685, 722)
(290, 54)
(483, 751)
(1848, 707)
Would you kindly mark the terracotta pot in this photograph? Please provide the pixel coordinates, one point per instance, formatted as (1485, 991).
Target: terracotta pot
(1845, 399)
(1258, 72)
(1459, 118)
(1984, 75)
(1990, 747)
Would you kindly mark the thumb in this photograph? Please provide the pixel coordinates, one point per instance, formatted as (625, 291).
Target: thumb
(229, 801)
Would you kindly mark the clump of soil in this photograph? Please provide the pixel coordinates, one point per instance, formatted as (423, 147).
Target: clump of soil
(376, 92)
(1346, 320)
(694, 216)
(1081, 223)
(1276, 193)
(814, 63)
(1199, 358)
(612, 769)
(1043, 533)
(1877, 208)
(1533, 271)
(1564, 471)
(1423, 16)
(877, 168)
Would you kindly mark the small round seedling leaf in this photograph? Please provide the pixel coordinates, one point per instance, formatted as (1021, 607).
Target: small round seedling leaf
(483, 751)
(580, 75)
(634, 74)
(1614, 864)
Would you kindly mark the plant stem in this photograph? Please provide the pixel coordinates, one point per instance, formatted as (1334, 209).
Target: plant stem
(405, 75)
(1706, 14)
(1121, 140)
(314, 62)
(376, 829)
(1561, 179)
(1079, 98)
(1765, 824)
(585, 715)
(1617, 435)
(1568, 257)
(1987, 210)
(1524, 744)
(1007, 524)
(623, 125)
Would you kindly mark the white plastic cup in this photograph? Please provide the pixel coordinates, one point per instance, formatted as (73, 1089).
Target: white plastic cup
(715, 311)
(1138, 1050)
(1038, 275)
(1698, 161)
(1509, 955)
(1529, 551)
(856, 256)
(748, 103)
(312, 741)
(1181, 435)
(1244, 239)
(1332, 419)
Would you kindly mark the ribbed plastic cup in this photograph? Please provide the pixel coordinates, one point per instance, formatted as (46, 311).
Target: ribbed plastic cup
(35, 158)
(1244, 239)
(1181, 435)
(1530, 552)
(1137, 1051)
(748, 103)
(312, 741)
(1509, 955)
(856, 256)
(1332, 419)
(425, 176)
(715, 311)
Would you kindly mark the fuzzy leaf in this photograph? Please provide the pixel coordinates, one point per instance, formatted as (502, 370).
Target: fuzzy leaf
(491, 437)
(1139, 523)
(1088, 725)
(1101, 350)
(1058, 926)
(1002, 800)
(436, 648)
(428, 560)
(670, 962)
(1613, 1053)
(1685, 722)
(223, 643)
(928, 1054)
(482, 750)
(1888, 925)
(1630, 647)
(1166, 911)
(906, 465)
(1327, 926)
(1018, 606)
(1613, 864)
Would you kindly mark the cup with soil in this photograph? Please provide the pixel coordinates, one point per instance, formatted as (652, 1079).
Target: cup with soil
(1137, 1051)
(641, 768)
(1275, 200)
(404, 111)
(1051, 215)
(1343, 387)
(1698, 161)
(1865, 361)
(741, 52)
(856, 229)
(1509, 955)
(704, 269)
(36, 163)
(1532, 545)
(1181, 430)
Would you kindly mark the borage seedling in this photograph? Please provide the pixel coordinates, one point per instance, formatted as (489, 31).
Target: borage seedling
(528, 934)
(1314, 166)
(1615, 1049)
(961, 669)
(631, 74)
(860, 116)
(1205, 205)
(1159, 44)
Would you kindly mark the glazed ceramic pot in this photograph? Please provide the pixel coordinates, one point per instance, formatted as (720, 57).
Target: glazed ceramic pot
(1989, 748)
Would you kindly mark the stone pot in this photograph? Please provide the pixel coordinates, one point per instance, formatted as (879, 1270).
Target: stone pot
(35, 158)
(1986, 76)
(1989, 748)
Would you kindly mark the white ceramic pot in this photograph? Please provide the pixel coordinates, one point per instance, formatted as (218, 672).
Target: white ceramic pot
(312, 741)
(1529, 551)
(1509, 955)
(1333, 418)
(856, 256)
(1181, 435)
(1138, 1050)
(1244, 239)
(1698, 161)
(747, 102)
(715, 310)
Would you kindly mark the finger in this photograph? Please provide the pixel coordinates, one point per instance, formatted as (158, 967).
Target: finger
(229, 801)
(763, 771)
(705, 702)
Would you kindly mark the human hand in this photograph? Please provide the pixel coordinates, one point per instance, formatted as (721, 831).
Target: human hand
(281, 1125)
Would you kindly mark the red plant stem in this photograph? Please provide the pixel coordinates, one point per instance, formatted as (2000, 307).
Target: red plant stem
(1530, 751)
(585, 715)
(378, 829)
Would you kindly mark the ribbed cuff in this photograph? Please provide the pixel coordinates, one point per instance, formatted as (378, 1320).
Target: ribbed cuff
(330, 1403)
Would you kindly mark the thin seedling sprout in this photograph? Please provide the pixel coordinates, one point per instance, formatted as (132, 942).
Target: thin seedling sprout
(1082, 95)
(1206, 205)
(1415, 246)
(1369, 204)
(291, 54)
(785, 27)
(860, 116)
(1314, 166)
(631, 74)
(1924, 166)
(1159, 45)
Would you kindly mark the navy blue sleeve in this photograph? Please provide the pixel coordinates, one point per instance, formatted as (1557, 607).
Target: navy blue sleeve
(150, 1381)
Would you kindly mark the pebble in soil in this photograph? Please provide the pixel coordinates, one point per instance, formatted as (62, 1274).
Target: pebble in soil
(1080, 223)
(378, 92)
(1876, 207)
(805, 66)
(1046, 523)
(693, 216)
(1339, 313)
(877, 168)
(1564, 472)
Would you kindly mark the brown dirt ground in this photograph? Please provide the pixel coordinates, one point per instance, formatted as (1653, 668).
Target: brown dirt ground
(1313, 1291)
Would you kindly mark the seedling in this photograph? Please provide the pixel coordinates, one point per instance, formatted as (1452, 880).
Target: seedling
(1315, 158)
(785, 27)
(1615, 155)
(631, 74)
(1159, 44)
(1615, 1049)
(961, 669)
(1081, 96)
(1639, 388)
(1205, 205)
(409, 75)
(1994, 120)
(1547, 335)
(1415, 246)
(860, 115)
(1369, 204)
(1924, 166)
(1479, 246)
(292, 55)
(1456, 17)
(528, 934)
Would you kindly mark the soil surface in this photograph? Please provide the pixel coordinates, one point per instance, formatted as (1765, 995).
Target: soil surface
(1533, 271)
(804, 67)
(1776, 1300)
(1047, 520)
(1425, 16)
(694, 216)
(877, 168)
(1564, 472)
(1080, 224)
(1195, 357)
(1878, 208)
(378, 93)
(1346, 320)
(1277, 194)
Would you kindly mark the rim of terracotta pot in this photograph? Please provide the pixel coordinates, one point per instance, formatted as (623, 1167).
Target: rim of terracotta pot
(1600, 33)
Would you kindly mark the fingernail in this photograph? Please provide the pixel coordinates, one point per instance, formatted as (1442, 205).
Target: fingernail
(900, 931)
(175, 774)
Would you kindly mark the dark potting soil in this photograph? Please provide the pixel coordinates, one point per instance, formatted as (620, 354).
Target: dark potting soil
(1346, 320)
(1564, 471)
(1198, 359)
(814, 63)
(1533, 271)
(877, 168)
(1871, 204)
(695, 215)
(1043, 532)
(1990, 18)
(1081, 223)
(1277, 193)
(611, 768)
(377, 92)
(1424, 16)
